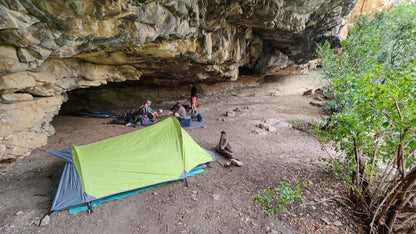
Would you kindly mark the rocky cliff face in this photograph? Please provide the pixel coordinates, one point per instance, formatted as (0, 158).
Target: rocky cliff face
(50, 47)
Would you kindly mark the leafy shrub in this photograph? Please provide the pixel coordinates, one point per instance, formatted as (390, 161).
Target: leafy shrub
(274, 200)
(372, 86)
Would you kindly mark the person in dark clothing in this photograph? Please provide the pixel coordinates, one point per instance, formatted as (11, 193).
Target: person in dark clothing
(193, 98)
(146, 111)
(179, 111)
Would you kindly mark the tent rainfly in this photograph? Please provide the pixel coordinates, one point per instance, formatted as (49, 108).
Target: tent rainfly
(138, 160)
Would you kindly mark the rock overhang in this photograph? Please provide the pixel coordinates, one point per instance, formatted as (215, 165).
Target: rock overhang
(48, 48)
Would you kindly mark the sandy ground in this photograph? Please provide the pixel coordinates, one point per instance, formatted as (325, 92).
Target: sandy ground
(216, 201)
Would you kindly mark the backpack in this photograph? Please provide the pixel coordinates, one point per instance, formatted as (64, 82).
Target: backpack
(129, 116)
(200, 118)
(145, 121)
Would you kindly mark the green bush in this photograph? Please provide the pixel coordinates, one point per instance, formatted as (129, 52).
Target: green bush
(384, 41)
(372, 86)
(274, 200)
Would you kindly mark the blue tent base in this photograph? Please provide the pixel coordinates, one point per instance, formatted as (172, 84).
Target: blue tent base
(118, 196)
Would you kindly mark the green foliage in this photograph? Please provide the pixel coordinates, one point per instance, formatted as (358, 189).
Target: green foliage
(274, 200)
(384, 40)
(380, 107)
(372, 86)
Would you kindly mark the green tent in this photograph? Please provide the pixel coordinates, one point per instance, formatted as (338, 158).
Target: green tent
(149, 156)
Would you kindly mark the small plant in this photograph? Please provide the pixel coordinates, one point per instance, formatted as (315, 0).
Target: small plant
(298, 124)
(274, 200)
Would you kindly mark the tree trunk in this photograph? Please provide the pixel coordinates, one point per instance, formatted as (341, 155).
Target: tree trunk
(399, 198)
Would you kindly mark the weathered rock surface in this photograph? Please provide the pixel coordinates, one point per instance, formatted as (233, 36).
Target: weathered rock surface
(25, 125)
(50, 47)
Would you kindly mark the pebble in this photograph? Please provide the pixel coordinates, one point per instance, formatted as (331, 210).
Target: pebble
(260, 133)
(272, 129)
(338, 223)
(267, 127)
(230, 113)
(326, 221)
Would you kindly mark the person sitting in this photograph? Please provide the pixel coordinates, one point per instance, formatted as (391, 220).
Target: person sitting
(179, 111)
(150, 109)
(146, 111)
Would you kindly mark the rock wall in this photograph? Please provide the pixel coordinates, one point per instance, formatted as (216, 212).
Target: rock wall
(50, 47)
(366, 6)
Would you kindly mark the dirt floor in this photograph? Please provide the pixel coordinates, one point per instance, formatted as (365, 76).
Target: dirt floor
(216, 201)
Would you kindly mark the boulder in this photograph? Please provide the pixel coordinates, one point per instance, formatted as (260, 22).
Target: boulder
(25, 125)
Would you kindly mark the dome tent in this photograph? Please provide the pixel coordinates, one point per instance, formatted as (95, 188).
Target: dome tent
(123, 165)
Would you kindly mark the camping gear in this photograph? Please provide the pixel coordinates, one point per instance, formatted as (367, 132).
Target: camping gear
(145, 121)
(132, 118)
(193, 123)
(86, 113)
(185, 123)
(200, 118)
(147, 157)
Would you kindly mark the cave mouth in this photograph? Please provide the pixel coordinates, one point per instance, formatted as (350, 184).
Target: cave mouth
(121, 96)
(127, 95)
